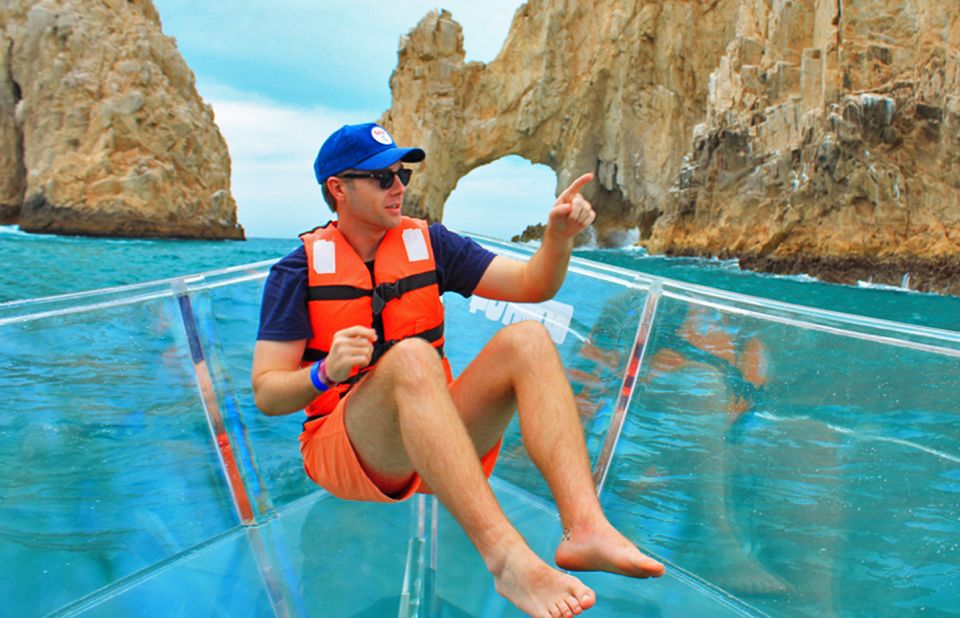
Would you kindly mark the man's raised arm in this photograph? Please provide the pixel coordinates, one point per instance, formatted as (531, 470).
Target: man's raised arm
(540, 278)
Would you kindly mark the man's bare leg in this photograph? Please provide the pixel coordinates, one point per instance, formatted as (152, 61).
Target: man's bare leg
(520, 367)
(400, 419)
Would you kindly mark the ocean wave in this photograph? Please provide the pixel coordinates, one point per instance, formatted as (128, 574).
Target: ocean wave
(710, 262)
(637, 250)
(730, 263)
(15, 231)
(870, 285)
(802, 277)
(12, 230)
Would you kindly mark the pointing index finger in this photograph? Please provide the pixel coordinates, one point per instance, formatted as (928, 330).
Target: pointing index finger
(574, 188)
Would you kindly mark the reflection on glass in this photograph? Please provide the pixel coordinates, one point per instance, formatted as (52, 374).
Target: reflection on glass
(799, 470)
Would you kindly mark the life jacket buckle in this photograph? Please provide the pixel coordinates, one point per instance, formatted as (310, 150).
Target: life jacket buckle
(384, 293)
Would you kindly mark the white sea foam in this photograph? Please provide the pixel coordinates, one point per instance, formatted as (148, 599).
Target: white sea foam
(802, 277)
(885, 287)
(12, 230)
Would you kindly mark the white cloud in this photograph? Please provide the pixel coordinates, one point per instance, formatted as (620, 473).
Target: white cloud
(272, 148)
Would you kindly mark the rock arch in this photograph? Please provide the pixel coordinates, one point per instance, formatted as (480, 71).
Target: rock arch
(577, 88)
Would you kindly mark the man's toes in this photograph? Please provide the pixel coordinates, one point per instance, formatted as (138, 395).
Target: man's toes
(574, 605)
(587, 599)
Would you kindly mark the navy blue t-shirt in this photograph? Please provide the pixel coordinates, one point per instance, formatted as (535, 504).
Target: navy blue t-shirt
(461, 263)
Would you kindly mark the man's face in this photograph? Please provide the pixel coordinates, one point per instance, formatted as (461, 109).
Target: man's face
(370, 205)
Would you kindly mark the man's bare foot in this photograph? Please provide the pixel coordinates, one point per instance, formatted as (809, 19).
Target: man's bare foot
(603, 548)
(537, 589)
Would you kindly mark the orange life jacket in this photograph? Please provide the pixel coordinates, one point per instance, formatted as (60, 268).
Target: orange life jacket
(404, 292)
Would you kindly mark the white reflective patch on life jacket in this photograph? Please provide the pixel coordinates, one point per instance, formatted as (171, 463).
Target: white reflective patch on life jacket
(554, 315)
(324, 257)
(415, 245)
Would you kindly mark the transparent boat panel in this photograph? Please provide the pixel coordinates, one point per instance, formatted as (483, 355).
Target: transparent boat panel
(228, 321)
(106, 458)
(300, 563)
(781, 460)
(93, 300)
(799, 470)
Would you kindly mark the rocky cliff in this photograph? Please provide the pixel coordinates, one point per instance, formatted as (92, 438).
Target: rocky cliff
(102, 131)
(817, 136)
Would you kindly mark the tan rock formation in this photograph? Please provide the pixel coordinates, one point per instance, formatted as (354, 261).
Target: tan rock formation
(819, 137)
(102, 131)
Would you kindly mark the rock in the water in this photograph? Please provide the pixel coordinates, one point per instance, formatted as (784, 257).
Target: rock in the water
(102, 131)
(817, 137)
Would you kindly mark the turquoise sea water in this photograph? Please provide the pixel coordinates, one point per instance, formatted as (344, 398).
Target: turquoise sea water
(830, 488)
(44, 265)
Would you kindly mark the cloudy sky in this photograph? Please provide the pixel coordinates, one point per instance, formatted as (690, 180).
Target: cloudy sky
(283, 75)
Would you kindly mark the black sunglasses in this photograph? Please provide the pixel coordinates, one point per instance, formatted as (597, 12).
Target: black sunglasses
(384, 176)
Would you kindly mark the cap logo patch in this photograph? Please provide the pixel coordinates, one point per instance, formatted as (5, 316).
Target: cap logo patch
(379, 134)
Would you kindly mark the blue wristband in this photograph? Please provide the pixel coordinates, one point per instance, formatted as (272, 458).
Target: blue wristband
(315, 377)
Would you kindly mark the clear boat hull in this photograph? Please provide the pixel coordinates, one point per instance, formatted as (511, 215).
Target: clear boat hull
(781, 460)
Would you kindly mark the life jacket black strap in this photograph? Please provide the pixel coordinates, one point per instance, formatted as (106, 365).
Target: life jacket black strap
(431, 335)
(310, 418)
(313, 355)
(336, 292)
(382, 294)
(385, 292)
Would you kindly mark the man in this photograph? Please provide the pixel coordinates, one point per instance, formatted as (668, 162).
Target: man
(351, 327)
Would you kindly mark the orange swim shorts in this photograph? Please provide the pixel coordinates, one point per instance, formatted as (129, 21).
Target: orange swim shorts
(330, 460)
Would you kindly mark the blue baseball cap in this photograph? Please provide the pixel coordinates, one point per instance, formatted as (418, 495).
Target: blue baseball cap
(363, 147)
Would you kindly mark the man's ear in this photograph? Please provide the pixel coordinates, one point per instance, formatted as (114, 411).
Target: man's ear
(337, 188)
